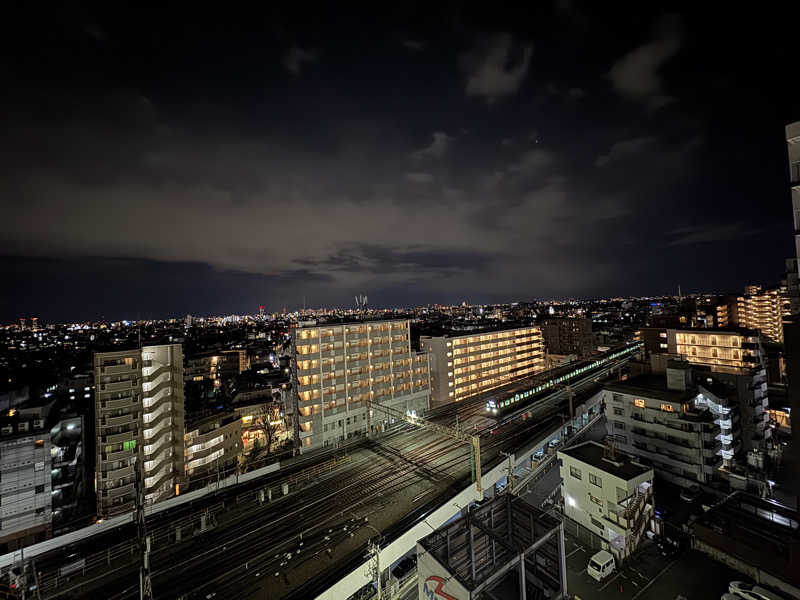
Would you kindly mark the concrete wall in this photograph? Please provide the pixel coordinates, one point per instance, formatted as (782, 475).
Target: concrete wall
(431, 574)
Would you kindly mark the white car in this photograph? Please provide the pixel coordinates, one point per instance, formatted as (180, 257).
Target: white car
(601, 565)
(751, 591)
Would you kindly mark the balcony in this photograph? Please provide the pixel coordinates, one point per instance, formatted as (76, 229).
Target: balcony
(119, 491)
(117, 386)
(117, 421)
(117, 369)
(127, 402)
(119, 438)
(117, 456)
(119, 473)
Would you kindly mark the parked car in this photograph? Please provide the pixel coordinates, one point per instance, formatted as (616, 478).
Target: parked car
(667, 546)
(751, 591)
(555, 443)
(691, 494)
(601, 565)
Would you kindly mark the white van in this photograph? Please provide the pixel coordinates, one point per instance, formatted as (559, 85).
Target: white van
(601, 565)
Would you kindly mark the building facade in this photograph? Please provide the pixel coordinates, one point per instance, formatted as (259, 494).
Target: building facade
(658, 420)
(465, 365)
(340, 367)
(138, 412)
(735, 358)
(25, 482)
(763, 310)
(215, 367)
(212, 446)
(607, 493)
(568, 335)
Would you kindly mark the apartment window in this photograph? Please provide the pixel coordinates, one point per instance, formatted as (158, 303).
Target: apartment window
(663, 346)
(576, 473)
(595, 480)
(639, 402)
(597, 523)
(616, 397)
(39, 489)
(619, 425)
(39, 466)
(621, 439)
(131, 445)
(619, 411)
(663, 334)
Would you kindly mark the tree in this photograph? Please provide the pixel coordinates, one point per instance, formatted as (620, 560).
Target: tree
(268, 420)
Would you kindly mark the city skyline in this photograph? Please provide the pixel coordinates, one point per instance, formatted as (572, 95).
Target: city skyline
(468, 155)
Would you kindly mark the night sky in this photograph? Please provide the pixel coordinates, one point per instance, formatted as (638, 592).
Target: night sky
(164, 162)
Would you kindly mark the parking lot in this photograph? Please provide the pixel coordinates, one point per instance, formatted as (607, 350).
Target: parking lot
(650, 576)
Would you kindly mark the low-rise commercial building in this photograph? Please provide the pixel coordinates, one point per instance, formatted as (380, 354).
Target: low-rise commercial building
(657, 419)
(607, 493)
(757, 537)
(465, 365)
(340, 367)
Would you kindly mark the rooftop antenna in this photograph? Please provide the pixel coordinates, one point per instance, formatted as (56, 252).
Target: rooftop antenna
(680, 297)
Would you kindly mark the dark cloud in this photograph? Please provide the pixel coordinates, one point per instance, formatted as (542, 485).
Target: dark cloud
(293, 60)
(220, 183)
(496, 68)
(636, 75)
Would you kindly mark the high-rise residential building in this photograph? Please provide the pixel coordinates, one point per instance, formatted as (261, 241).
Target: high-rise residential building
(339, 367)
(138, 412)
(736, 359)
(568, 335)
(465, 365)
(761, 309)
(660, 419)
(793, 151)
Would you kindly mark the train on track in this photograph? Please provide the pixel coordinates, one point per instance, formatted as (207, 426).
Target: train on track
(533, 389)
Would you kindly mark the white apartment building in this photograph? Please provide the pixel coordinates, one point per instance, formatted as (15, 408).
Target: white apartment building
(339, 367)
(735, 358)
(25, 483)
(138, 412)
(607, 493)
(466, 365)
(658, 419)
(212, 445)
(793, 151)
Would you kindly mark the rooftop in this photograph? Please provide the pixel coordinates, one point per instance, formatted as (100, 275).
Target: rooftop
(651, 386)
(595, 454)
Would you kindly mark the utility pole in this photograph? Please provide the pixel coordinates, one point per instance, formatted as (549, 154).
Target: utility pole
(374, 554)
(145, 584)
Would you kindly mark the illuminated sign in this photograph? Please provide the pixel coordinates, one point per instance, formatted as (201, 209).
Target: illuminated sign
(667, 407)
(434, 589)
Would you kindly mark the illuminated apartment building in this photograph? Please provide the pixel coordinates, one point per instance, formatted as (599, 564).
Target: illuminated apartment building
(339, 367)
(465, 365)
(212, 446)
(762, 310)
(736, 359)
(138, 401)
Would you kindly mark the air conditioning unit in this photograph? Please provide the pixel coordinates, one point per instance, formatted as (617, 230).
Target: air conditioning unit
(38, 423)
(8, 429)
